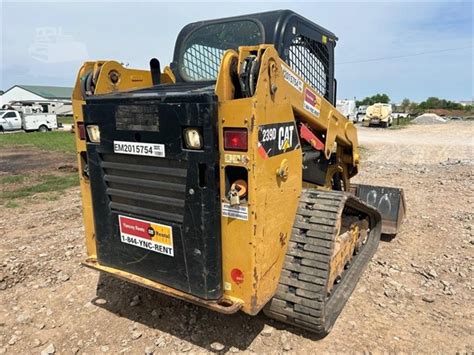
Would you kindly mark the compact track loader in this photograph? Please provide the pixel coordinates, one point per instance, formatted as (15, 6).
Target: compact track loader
(225, 178)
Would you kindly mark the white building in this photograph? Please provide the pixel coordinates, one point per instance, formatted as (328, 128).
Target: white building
(53, 99)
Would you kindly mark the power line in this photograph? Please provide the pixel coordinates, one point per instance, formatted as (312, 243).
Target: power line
(403, 56)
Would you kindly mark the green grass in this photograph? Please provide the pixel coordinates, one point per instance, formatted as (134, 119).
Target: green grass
(12, 179)
(402, 122)
(45, 183)
(65, 119)
(11, 204)
(58, 141)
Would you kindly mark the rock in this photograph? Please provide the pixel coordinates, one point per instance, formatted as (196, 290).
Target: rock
(160, 342)
(75, 350)
(285, 344)
(100, 301)
(267, 331)
(136, 300)
(36, 342)
(62, 276)
(23, 318)
(149, 350)
(136, 334)
(49, 350)
(432, 273)
(154, 313)
(104, 348)
(444, 283)
(233, 349)
(186, 347)
(216, 346)
(428, 299)
(13, 340)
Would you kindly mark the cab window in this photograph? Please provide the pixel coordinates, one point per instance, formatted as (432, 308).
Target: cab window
(203, 49)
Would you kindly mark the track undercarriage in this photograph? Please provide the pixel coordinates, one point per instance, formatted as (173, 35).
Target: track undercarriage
(334, 237)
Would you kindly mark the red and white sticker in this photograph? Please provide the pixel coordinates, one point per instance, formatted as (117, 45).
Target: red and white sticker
(147, 235)
(312, 102)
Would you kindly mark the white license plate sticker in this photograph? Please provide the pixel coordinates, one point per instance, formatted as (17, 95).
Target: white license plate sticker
(237, 212)
(133, 148)
(146, 235)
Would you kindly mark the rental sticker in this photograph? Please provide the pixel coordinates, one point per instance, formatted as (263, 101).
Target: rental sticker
(146, 235)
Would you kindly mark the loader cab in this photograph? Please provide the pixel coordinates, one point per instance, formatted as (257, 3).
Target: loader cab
(306, 47)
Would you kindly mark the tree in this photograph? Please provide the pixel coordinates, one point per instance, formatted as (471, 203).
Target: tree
(436, 103)
(370, 100)
(405, 105)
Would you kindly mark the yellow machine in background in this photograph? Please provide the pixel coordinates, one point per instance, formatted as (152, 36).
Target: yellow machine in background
(224, 179)
(378, 115)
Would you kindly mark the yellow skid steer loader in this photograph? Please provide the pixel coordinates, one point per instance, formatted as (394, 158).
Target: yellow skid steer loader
(224, 179)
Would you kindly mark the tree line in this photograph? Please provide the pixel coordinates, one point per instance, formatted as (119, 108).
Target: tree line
(409, 106)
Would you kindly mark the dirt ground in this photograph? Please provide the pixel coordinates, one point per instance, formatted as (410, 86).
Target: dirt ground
(415, 296)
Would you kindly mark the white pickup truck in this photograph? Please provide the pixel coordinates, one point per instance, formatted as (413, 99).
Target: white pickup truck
(11, 120)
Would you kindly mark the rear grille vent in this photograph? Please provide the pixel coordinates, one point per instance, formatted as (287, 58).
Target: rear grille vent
(145, 186)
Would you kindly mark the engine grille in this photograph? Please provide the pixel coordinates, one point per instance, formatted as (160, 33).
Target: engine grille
(145, 186)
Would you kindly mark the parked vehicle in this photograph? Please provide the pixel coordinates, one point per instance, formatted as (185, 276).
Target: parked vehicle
(361, 112)
(348, 109)
(378, 115)
(11, 120)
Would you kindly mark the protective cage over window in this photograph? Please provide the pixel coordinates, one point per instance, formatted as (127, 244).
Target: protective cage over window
(203, 49)
(310, 59)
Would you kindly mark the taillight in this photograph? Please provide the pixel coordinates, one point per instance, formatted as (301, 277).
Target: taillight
(82, 130)
(235, 139)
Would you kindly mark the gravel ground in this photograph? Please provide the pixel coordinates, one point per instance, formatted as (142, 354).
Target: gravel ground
(415, 296)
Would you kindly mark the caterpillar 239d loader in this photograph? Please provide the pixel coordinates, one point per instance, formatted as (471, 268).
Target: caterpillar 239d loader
(224, 179)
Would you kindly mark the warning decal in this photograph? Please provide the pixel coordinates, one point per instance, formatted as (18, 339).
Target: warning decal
(147, 235)
(277, 138)
(292, 78)
(312, 102)
(237, 212)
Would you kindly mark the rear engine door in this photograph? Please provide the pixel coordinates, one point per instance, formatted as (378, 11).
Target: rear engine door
(155, 200)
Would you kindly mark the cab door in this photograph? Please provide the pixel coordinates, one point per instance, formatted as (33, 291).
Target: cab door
(13, 121)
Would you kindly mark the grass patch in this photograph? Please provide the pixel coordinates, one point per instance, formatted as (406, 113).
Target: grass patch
(11, 204)
(65, 119)
(58, 141)
(45, 183)
(12, 179)
(401, 122)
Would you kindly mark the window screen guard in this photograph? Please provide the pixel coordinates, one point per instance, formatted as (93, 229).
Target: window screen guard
(203, 50)
(310, 60)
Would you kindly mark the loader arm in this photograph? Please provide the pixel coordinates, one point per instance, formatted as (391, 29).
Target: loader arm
(277, 80)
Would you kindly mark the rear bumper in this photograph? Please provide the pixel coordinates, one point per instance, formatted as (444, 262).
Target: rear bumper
(223, 305)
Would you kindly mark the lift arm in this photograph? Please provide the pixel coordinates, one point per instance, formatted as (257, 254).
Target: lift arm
(261, 71)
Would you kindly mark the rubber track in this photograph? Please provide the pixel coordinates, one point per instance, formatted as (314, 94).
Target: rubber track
(301, 298)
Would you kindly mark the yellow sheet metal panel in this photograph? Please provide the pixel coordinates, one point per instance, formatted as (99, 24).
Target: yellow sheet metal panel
(257, 246)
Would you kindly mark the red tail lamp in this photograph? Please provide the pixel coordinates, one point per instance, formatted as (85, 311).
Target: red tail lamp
(82, 131)
(237, 276)
(235, 139)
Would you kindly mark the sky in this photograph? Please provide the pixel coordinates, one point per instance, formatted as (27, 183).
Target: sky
(404, 49)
